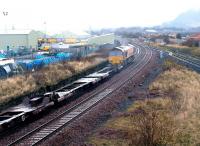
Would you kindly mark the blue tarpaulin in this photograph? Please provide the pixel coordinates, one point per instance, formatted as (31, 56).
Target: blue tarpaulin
(2, 56)
(42, 60)
(39, 56)
(64, 56)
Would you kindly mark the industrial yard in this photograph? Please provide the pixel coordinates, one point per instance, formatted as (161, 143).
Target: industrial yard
(24, 74)
(46, 51)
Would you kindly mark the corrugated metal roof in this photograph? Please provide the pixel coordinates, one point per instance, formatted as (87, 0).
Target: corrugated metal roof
(11, 31)
(102, 39)
(4, 61)
(123, 48)
(195, 37)
(103, 35)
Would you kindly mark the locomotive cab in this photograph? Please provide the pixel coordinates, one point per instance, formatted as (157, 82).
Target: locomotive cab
(121, 56)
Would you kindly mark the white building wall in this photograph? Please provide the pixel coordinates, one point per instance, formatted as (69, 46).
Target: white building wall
(103, 39)
(13, 40)
(29, 39)
(33, 39)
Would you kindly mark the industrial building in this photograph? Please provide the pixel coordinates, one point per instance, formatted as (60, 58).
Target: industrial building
(102, 39)
(14, 39)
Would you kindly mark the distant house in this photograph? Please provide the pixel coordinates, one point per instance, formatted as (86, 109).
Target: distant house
(160, 41)
(194, 40)
(175, 41)
(172, 35)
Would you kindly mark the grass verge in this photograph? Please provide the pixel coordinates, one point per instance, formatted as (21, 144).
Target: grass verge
(169, 117)
(19, 86)
(192, 51)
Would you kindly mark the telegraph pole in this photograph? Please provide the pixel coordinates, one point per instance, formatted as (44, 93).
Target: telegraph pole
(45, 29)
(5, 13)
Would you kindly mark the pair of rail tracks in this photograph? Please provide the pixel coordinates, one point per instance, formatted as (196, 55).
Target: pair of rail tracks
(188, 60)
(54, 125)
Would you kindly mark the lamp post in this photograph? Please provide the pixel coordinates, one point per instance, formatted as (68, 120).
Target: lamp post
(5, 13)
(45, 29)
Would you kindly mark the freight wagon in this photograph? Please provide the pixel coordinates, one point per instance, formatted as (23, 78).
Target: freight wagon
(38, 104)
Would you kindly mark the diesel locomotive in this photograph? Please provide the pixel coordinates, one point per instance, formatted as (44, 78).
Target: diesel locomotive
(121, 56)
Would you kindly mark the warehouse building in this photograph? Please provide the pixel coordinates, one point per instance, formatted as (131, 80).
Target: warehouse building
(14, 39)
(102, 39)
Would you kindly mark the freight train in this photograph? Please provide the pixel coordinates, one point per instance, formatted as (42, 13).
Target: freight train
(38, 104)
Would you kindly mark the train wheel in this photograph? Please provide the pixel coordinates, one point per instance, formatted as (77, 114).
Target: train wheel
(23, 118)
(8, 125)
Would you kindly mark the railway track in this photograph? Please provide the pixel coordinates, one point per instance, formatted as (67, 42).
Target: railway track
(49, 128)
(187, 59)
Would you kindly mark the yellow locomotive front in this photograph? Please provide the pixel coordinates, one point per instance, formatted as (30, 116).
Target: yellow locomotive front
(116, 56)
(121, 56)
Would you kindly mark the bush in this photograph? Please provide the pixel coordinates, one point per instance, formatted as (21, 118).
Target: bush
(152, 127)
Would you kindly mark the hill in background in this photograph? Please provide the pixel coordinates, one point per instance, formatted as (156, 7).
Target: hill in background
(189, 19)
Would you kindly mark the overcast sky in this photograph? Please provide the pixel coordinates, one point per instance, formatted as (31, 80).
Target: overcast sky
(78, 15)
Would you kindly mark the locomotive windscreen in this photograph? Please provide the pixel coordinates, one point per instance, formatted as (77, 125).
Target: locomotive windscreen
(115, 53)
